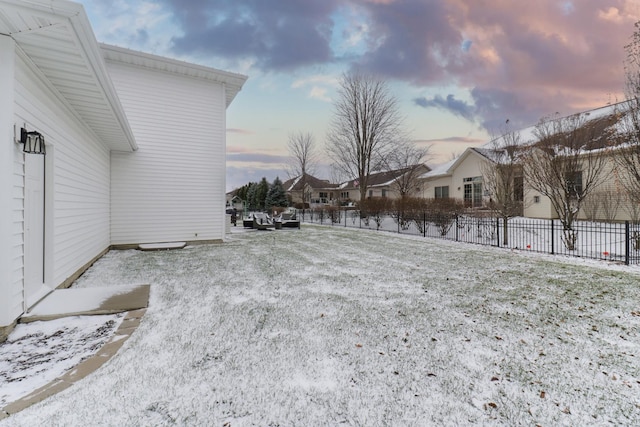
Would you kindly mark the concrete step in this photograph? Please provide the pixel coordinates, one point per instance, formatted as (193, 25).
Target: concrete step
(87, 301)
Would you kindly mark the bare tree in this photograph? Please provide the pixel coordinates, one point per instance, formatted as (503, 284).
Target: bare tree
(365, 127)
(303, 159)
(611, 202)
(603, 204)
(407, 162)
(410, 160)
(628, 157)
(592, 205)
(566, 164)
(375, 208)
(502, 175)
(632, 208)
(337, 175)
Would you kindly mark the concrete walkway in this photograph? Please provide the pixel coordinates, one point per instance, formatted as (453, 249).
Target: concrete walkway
(87, 301)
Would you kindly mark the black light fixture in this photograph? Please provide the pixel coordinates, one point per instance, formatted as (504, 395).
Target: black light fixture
(33, 142)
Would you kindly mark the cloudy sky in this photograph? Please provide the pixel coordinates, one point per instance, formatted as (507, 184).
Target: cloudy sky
(459, 68)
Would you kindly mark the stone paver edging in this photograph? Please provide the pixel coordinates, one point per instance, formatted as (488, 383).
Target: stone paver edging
(127, 327)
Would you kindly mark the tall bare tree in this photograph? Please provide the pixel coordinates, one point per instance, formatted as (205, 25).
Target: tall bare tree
(366, 126)
(303, 159)
(502, 175)
(628, 158)
(566, 164)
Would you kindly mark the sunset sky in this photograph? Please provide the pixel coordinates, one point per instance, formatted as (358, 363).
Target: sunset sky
(459, 68)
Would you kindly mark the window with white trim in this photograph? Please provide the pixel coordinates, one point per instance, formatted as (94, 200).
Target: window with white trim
(441, 192)
(473, 191)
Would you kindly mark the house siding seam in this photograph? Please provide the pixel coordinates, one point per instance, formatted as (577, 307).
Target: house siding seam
(77, 183)
(170, 189)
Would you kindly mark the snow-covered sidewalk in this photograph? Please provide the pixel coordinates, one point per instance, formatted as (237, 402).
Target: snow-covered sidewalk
(327, 326)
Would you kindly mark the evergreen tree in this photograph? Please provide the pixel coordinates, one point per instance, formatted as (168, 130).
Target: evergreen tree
(252, 196)
(261, 193)
(276, 197)
(242, 191)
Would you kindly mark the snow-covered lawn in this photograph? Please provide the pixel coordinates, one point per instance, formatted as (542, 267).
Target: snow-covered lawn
(39, 352)
(328, 326)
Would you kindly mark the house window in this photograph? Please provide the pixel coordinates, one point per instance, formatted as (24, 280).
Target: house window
(370, 193)
(442, 192)
(536, 199)
(384, 193)
(344, 195)
(574, 184)
(473, 191)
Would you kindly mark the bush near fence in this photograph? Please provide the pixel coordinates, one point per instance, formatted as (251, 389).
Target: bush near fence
(449, 219)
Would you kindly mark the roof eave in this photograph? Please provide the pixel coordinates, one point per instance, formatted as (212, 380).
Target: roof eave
(233, 82)
(96, 60)
(28, 20)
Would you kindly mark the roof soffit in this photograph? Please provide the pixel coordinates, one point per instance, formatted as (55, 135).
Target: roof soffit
(58, 39)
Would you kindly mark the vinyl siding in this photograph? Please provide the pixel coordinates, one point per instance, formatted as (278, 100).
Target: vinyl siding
(77, 174)
(612, 177)
(17, 237)
(172, 188)
(11, 184)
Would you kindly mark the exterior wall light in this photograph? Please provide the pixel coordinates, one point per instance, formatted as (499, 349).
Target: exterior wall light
(33, 142)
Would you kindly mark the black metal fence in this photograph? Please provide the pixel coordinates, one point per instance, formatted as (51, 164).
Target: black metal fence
(603, 241)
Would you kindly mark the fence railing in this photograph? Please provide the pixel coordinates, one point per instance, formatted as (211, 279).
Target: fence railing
(618, 242)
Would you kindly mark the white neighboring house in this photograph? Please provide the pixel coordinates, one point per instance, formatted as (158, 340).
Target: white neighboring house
(460, 178)
(135, 150)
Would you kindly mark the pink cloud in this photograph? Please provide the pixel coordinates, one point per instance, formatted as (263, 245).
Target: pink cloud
(525, 57)
(240, 131)
(545, 55)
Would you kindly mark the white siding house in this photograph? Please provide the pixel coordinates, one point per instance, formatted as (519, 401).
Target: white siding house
(134, 150)
(462, 178)
(458, 179)
(177, 175)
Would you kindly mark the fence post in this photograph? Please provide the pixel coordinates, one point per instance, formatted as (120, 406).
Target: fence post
(456, 227)
(424, 224)
(553, 235)
(398, 222)
(627, 239)
(498, 231)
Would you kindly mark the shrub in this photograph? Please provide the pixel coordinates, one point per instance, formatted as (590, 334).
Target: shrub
(375, 208)
(443, 213)
(334, 213)
(407, 210)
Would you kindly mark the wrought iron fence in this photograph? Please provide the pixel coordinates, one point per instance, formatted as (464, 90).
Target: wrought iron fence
(618, 241)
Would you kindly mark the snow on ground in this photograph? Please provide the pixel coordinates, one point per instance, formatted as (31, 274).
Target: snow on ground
(327, 326)
(39, 352)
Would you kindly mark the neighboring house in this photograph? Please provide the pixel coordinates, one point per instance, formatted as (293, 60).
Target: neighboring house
(316, 191)
(385, 184)
(462, 178)
(135, 150)
(234, 201)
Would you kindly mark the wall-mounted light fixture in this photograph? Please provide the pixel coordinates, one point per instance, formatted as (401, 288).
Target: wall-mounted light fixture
(33, 142)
